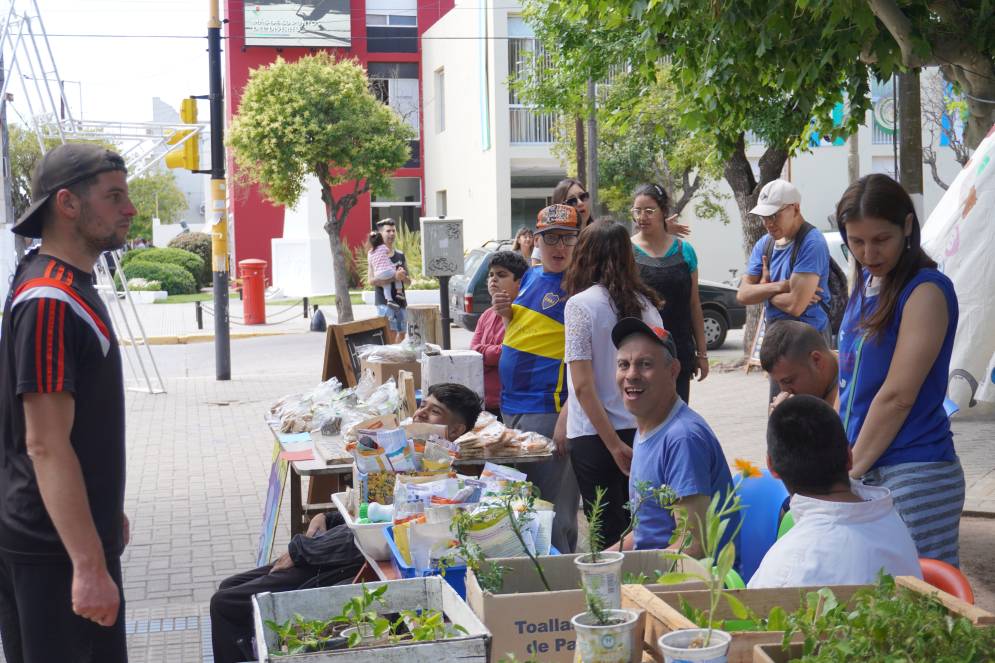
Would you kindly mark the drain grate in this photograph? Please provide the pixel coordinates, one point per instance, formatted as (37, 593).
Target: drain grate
(143, 626)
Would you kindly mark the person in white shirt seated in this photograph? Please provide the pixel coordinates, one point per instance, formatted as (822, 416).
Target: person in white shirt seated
(844, 532)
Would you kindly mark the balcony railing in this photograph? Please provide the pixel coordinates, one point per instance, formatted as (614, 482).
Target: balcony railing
(882, 137)
(529, 127)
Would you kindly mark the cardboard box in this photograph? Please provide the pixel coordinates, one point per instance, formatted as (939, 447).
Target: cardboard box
(464, 367)
(529, 622)
(383, 371)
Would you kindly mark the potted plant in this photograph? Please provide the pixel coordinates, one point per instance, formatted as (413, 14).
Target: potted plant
(705, 644)
(600, 571)
(604, 635)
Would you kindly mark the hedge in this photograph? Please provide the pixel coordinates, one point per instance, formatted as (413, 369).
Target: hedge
(174, 279)
(187, 260)
(199, 243)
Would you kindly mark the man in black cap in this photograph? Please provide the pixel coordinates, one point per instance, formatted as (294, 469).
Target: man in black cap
(673, 446)
(62, 460)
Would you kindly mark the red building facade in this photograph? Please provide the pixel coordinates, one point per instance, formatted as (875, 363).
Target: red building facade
(384, 36)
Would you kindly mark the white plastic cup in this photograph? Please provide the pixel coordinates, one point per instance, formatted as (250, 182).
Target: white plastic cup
(605, 644)
(604, 577)
(674, 646)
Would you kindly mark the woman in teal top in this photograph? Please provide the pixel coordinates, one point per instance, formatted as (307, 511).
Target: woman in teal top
(669, 265)
(895, 344)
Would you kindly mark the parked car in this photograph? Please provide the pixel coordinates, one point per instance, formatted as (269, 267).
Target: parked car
(468, 297)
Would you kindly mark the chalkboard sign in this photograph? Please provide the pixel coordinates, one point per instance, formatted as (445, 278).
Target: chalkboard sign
(341, 343)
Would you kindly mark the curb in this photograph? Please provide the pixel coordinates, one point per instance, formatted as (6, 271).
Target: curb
(207, 338)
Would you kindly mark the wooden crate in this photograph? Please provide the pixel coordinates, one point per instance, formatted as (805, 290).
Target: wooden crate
(776, 654)
(663, 611)
(326, 602)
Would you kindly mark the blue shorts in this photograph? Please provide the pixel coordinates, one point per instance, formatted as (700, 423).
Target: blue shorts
(397, 318)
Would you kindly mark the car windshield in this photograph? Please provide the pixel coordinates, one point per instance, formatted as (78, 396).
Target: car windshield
(472, 261)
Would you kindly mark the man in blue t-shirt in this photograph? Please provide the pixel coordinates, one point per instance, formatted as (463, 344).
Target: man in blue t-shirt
(792, 283)
(673, 446)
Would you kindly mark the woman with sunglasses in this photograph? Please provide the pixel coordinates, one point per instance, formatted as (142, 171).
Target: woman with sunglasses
(603, 286)
(669, 265)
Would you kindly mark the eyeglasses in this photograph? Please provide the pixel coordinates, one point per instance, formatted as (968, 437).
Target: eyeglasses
(553, 240)
(773, 217)
(643, 211)
(573, 201)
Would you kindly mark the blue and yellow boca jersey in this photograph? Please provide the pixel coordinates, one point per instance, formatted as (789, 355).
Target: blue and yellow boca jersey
(533, 374)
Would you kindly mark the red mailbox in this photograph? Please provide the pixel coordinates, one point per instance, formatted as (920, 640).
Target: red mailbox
(253, 275)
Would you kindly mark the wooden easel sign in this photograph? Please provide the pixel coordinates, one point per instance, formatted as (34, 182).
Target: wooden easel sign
(341, 342)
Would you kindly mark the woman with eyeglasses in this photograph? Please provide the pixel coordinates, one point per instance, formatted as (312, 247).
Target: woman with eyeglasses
(669, 265)
(603, 286)
(524, 244)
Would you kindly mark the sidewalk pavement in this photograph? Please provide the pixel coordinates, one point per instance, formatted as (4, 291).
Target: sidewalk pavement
(199, 457)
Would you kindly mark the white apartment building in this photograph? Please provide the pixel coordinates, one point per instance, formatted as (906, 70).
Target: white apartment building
(487, 156)
(488, 159)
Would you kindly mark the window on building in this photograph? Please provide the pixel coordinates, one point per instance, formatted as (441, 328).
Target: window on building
(392, 26)
(524, 53)
(401, 202)
(440, 100)
(396, 84)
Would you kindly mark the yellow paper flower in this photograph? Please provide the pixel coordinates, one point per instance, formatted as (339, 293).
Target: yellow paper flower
(747, 469)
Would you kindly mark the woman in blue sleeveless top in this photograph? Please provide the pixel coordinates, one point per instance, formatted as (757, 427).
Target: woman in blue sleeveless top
(895, 345)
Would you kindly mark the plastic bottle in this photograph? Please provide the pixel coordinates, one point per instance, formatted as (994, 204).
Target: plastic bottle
(380, 513)
(363, 514)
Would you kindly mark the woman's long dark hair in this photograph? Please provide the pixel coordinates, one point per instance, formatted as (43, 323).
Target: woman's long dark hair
(603, 255)
(880, 197)
(517, 246)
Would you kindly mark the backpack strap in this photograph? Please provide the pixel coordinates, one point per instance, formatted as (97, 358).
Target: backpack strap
(804, 230)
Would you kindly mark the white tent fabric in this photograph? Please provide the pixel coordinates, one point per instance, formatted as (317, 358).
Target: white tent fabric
(960, 236)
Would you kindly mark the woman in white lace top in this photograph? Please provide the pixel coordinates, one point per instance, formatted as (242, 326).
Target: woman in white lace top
(603, 286)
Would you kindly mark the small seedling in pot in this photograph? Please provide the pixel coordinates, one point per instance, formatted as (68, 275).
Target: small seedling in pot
(596, 607)
(359, 613)
(664, 496)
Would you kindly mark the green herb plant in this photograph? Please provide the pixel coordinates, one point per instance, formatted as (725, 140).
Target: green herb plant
(718, 560)
(886, 623)
(595, 522)
(596, 608)
(664, 496)
(359, 612)
(425, 626)
(298, 635)
(516, 498)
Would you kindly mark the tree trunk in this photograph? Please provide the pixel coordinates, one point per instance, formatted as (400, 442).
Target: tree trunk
(343, 304)
(746, 190)
(910, 136)
(581, 152)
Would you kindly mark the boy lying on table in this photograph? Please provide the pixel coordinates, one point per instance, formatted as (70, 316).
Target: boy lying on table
(326, 554)
(844, 532)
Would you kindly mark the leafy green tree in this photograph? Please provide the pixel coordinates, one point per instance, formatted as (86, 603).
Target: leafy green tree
(155, 194)
(317, 116)
(764, 67)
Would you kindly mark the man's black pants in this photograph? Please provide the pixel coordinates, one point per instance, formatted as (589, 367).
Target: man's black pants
(37, 622)
(231, 605)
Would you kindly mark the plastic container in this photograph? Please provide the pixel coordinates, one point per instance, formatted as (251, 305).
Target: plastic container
(455, 575)
(369, 538)
(604, 577)
(380, 513)
(674, 646)
(605, 644)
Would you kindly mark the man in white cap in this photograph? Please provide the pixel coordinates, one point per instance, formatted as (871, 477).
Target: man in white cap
(788, 270)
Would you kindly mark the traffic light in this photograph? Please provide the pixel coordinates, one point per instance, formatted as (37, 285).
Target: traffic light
(187, 154)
